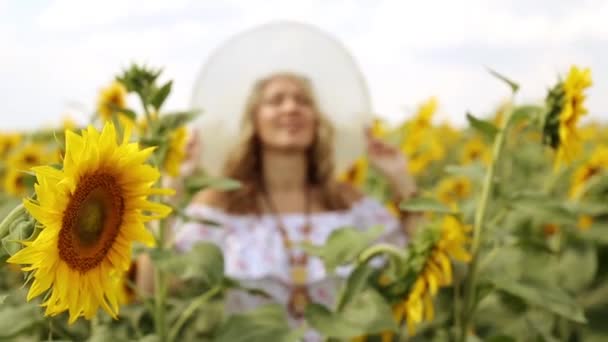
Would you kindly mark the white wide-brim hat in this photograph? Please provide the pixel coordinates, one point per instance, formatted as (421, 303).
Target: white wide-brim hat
(226, 80)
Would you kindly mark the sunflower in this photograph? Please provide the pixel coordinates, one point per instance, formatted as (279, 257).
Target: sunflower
(8, 142)
(110, 99)
(15, 182)
(421, 149)
(452, 190)
(475, 150)
(379, 128)
(424, 115)
(31, 155)
(176, 152)
(584, 222)
(417, 305)
(357, 173)
(597, 163)
(566, 106)
(90, 211)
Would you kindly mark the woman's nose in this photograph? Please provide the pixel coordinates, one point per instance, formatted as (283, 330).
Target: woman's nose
(290, 105)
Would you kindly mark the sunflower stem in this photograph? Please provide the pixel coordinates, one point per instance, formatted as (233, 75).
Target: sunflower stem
(194, 305)
(488, 184)
(160, 289)
(379, 249)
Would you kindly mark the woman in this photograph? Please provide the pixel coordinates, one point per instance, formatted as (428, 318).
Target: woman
(289, 194)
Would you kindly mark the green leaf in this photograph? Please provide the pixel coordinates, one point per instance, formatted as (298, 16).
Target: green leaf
(171, 121)
(160, 95)
(540, 205)
(522, 113)
(543, 296)
(422, 204)
(204, 262)
(266, 323)
(197, 183)
(356, 283)
(368, 313)
(514, 86)
(501, 338)
(3, 298)
(471, 171)
(343, 246)
(128, 113)
(15, 320)
(484, 127)
(596, 233)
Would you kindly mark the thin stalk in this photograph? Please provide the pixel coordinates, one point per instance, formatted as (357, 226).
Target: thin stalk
(160, 288)
(488, 184)
(379, 249)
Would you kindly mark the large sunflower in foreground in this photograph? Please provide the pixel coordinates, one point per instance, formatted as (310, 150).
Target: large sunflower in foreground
(90, 211)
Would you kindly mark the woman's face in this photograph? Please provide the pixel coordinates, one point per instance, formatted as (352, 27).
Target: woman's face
(286, 119)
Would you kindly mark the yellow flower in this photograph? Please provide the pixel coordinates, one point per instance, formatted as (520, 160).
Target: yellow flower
(31, 155)
(550, 229)
(572, 110)
(379, 128)
(8, 142)
(585, 222)
(475, 150)
(14, 182)
(176, 152)
(357, 173)
(452, 190)
(436, 272)
(421, 149)
(424, 115)
(111, 98)
(597, 163)
(91, 212)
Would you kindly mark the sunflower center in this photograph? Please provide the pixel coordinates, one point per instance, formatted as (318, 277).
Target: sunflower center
(91, 221)
(30, 159)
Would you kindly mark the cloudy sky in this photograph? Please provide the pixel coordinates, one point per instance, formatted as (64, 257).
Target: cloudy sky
(55, 55)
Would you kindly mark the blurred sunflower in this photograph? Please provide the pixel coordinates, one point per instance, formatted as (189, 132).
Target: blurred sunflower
(566, 106)
(90, 211)
(356, 174)
(475, 149)
(597, 163)
(8, 142)
(421, 149)
(15, 182)
(417, 305)
(30, 155)
(176, 152)
(110, 99)
(451, 190)
(424, 116)
(379, 128)
(584, 222)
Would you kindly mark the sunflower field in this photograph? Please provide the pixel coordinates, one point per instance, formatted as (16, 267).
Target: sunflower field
(510, 241)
